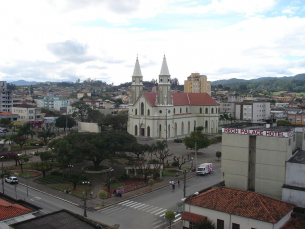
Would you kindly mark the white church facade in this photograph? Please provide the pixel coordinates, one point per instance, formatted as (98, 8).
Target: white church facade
(164, 114)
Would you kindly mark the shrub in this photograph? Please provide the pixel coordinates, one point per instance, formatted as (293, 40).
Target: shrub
(219, 138)
(200, 128)
(177, 140)
(218, 154)
(57, 173)
(154, 161)
(124, 177)
(175, 164)
(213, 140)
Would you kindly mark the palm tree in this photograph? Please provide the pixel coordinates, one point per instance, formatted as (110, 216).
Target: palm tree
(46, 134)
(160, 148)
(3, 174)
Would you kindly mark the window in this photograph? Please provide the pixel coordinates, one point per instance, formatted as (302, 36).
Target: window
(220, 224)
(142, 108)
(31, 111)
(186, 110)
(212, 111)
(206, 110)
(200, 110)
(180, 110)
(160, 111)
(235, 226)
(174, 111)
(148, 112)
(30, 117)
(136, 111)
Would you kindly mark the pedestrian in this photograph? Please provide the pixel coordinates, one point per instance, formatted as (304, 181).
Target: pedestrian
(119, 193)
(178, 183)
(91, 194)
(162, 173)
(177, 174)
(173, 185)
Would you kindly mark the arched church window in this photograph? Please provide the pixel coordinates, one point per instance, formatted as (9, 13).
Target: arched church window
(200, 110)
(142, 108)
(206, 110)
(136, 112)
(148, 112)
(212, 111)
(174, 111)
(180, 110)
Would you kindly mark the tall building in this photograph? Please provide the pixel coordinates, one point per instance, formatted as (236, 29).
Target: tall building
(6, 99)
(197, 83)
(254, 156)
(164, 114)
(52, 103)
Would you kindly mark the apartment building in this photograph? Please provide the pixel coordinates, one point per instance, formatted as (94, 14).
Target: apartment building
(254, 156)
(197, 83)
(252, 111)
(6, 99)
(28, 113)
(52, 103)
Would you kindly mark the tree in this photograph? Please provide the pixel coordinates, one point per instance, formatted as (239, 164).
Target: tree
(161, 150)
(64, 121)
(80, 110)
(45, 134)
(226, 117)
(204, 224)
(151, 182)
(137, 149)
(4, 173)
(147, 169)
(19, 140)
(200, 128)
(5, 122)
(102, 195)
(180, 163)
(170, 216)
(95, 116)
(117, 122)
(196, 136)
(25, 130)
(218, 155)
(63, 152)
(42, 167)
(22, 159)
(75, 177)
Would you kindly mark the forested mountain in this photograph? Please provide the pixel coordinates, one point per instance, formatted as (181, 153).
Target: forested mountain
(271, 84)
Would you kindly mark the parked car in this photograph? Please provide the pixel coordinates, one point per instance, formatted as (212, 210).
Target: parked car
(11, 180)
(3, 130)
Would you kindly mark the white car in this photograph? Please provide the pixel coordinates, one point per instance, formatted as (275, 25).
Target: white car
(11, 180)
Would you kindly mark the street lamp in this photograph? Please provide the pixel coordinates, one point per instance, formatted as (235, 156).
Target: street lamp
(184, 199)
(70, 166)
(85, 197)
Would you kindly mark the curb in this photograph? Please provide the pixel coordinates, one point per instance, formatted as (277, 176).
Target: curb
(49, 194)
(140, 194)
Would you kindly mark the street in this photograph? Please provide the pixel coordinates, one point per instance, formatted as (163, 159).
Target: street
(145, 211)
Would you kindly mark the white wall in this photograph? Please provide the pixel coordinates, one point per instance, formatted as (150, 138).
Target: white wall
(292, 196)
(91, 127)
(295, 174)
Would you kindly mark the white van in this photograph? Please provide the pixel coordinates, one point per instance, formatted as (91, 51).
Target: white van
(204, 168)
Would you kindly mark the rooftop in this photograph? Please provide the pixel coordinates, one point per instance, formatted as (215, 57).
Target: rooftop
(298, 157)
(242, 203)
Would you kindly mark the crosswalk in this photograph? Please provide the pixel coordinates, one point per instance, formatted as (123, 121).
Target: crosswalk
(158, 222)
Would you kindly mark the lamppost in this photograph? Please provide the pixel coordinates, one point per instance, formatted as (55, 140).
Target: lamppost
(70, 167)
(190, 198)
(85, 197)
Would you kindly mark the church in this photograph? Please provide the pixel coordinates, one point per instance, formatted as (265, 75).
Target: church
(164, 114)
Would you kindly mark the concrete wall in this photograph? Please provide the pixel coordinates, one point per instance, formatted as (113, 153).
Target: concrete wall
(293, 196)
(295, 174)
(91, 127)
(234, 160)
(245, 223)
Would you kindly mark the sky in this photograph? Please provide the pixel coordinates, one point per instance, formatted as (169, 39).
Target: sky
(66, 40)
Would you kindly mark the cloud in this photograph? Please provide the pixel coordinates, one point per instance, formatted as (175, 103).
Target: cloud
(71, 51)
(96, 67)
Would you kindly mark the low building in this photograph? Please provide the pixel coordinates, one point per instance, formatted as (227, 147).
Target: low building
(294, 187)
(28, 113)
(230, 208)
(13, 211)
(61, 219)
(252, 111)
(297, 118)
(13, 117)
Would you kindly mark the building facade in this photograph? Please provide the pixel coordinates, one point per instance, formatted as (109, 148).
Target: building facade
(254, 156)
(164, 114)
(197, 83)
(28, 113)
(252, 111)
(6, 99)
(52, 103)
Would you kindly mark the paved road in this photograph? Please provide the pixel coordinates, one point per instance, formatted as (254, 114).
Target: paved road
(146, 211)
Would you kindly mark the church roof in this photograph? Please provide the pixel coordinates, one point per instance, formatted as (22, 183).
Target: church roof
(137, 69)
(164, 68)
(183, 99)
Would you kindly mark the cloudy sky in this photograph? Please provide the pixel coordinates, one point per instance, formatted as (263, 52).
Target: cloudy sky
(66, 40)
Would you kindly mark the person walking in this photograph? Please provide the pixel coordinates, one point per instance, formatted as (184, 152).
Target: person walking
(178, 183)
(173, 185)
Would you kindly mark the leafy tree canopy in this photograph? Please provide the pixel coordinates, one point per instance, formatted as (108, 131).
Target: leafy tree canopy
(196, 136)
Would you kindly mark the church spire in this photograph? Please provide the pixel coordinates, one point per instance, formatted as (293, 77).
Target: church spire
(164, 68)
(137, 69)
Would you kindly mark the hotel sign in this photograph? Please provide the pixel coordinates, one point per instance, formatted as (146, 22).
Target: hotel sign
(258, 132)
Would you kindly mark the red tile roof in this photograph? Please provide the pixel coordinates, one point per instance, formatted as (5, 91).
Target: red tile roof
(295, 224)
(243, 203)
(6, 113)
(192, 217)
(9, 210)
(182, 99)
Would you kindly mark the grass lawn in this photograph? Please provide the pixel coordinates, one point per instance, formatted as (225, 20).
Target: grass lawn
(170, 171)
(78, 192)
(25, 174)
(116, 185)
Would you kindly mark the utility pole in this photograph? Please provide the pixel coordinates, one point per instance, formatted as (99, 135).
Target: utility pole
(196, 156)
(184, 188)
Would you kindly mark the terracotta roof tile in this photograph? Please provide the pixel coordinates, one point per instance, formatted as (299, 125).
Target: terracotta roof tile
(243, 203)
(9, 210)
(182, 99)
(6, 113)
(294, 224)
(192, 217)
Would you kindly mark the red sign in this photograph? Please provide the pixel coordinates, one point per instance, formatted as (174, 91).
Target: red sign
(258, 132)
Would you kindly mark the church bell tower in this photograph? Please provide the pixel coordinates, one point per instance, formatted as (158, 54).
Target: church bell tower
(137, 84)
(164, 86)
